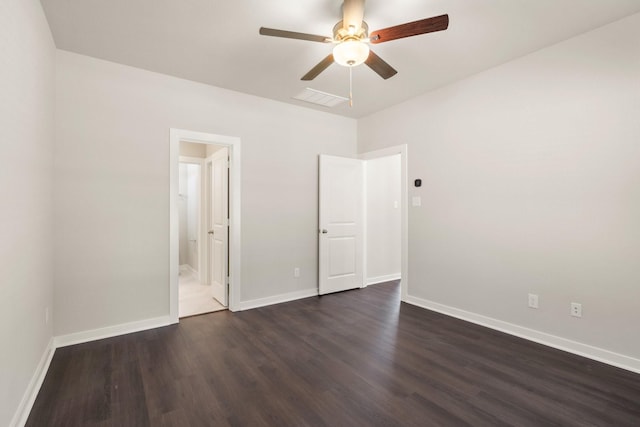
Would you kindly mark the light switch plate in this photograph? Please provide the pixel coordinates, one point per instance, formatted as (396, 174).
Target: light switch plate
(416, 201)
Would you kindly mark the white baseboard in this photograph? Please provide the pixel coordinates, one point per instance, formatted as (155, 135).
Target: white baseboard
(382, 279)
(585, 350)
(188, 268)
(111, 331)
(30, 394)
(277, 299)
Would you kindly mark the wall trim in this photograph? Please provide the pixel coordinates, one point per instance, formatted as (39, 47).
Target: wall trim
(382, 279)
(111, 331)
(585, 350)
(28, 399)
(277, 299)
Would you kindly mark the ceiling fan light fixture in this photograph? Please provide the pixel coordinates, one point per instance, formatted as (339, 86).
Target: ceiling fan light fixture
(350, 53)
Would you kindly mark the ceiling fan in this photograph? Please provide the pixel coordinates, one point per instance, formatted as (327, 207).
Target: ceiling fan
(352, 38)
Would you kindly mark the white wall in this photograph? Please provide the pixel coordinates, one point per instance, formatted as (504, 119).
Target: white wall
(531, 183)
(383, 218)
(188, 196)
(26, 171)
(112, 209)
(193, 207)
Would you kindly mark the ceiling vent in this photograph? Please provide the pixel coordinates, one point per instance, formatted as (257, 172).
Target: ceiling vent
(320, 98)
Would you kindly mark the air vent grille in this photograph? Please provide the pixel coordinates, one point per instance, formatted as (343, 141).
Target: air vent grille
(320, 98)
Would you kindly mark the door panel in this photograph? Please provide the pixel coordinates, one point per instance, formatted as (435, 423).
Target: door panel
(218, 224)
(341, 224)
(342, 253)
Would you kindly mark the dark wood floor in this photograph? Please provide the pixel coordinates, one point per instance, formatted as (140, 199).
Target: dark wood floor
(358, 358)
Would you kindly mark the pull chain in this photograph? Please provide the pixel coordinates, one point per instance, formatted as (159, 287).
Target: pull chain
(351, 86)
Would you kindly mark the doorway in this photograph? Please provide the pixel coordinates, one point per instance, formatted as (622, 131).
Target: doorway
(204, 173)
(195, 201)
(394, 162)
(363, 220)
(383, 220)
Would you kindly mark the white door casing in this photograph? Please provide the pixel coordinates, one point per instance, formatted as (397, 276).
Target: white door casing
(218, 221)
(235, 210)
(341, 224)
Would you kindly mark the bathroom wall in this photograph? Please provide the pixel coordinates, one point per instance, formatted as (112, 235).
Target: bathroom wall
(188, 213)
(191, 149)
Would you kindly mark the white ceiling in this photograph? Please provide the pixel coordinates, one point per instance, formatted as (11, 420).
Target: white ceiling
(217, 42)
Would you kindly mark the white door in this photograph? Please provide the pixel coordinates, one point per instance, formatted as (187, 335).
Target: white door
(341, 224)
(217, 224)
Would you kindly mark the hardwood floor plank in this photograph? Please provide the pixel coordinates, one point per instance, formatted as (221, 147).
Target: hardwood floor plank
(354, 358)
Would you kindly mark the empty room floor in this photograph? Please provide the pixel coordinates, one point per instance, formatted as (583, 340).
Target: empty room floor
(194, 297)
(357, 358)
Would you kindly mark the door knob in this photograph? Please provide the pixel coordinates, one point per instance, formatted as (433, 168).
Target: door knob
(210, 232)
(324, 231)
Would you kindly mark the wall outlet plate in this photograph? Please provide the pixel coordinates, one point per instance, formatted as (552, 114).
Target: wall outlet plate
(296, 272)
(576, 309)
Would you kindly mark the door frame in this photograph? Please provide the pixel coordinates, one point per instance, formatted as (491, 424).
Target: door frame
(233, 144)
(404, 214)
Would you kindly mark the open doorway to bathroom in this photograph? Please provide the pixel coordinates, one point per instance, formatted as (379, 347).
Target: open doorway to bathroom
(225, 236)
(197, 204)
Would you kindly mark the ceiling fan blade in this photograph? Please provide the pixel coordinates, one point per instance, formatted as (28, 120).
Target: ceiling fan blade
(378, 65)
(423, 26)
(293, 35)
(322, 65)
(352, 14)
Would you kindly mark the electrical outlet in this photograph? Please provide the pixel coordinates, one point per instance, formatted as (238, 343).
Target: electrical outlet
(46, 316)
(296, 272)
(533, 301)
(576, 309)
